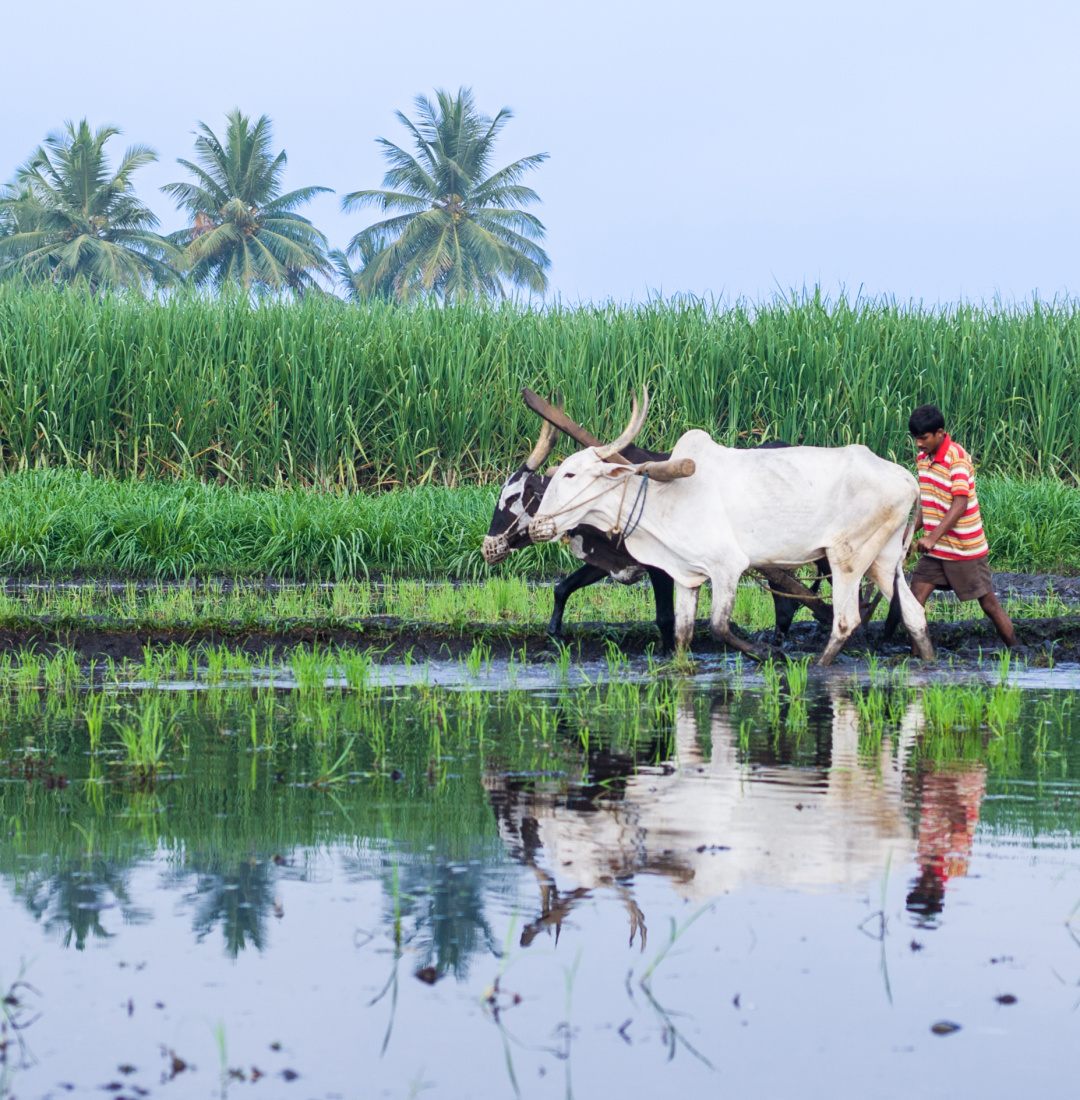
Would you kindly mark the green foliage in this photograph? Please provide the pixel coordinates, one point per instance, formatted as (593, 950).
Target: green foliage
(321, 392)
(60, 522)
(243, 229)
(461, 231)
(69, 218)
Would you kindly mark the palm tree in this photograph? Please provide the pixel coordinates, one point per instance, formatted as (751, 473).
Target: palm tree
(243, 229)
(69, 218)
(462, 231)
(352, 281)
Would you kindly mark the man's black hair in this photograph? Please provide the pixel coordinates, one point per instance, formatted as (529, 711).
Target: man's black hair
(926, 418)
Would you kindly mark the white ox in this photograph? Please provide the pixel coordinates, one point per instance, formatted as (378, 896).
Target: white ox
(709, 513)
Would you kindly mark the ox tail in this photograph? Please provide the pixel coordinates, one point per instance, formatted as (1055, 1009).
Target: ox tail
(892, 620)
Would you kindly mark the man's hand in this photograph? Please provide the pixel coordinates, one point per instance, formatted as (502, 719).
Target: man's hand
(948, 521)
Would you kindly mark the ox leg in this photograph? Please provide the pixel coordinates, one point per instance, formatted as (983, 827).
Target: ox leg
(580, 578)
(723, 603)
(663, 590)
(887, 573)
(686, 601)
(785, 609)
(821, 611)
(846, 617)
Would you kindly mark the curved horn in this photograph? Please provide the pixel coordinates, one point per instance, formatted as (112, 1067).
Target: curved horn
(549, 434)
(668, 470)
(557, 417)
(637, 422)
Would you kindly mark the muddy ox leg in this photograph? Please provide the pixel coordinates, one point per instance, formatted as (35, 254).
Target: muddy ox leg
(846, 580)
(580, 578)
(686, 601)
(663, 590)
(723, 603)
(887, 573)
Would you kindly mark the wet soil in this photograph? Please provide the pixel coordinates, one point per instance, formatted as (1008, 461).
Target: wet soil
(1056, 638)
(1052, 639)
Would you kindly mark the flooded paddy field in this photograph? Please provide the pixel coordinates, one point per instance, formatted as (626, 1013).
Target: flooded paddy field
(333, 875)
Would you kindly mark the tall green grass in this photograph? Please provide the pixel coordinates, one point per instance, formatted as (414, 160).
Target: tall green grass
(322, 392)
(62, 523)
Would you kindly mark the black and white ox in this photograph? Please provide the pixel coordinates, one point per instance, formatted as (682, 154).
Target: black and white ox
(602, 554)
(709, 513)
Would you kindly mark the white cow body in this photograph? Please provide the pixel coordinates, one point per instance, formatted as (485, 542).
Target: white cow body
(746, 508)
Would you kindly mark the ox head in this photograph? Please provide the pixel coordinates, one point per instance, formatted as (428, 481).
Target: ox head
(518, 502)
(592, 487)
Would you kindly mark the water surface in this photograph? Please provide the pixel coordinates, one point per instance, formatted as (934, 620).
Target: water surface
(550, 889)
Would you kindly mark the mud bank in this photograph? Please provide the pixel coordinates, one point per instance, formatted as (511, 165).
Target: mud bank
(1044, 640)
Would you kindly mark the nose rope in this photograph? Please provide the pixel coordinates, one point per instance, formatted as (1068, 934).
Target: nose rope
(573, 502)
(614, 532)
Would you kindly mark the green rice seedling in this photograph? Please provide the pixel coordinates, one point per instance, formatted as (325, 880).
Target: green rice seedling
(617, 661)
(744, 738)
(899, 698)
(873, 668)
(478, 658)
(29, 671)
(1003, 707)
(562, 661)
(95, 719)
(62, 670)
(1004, 666)
(143, 742)
(972, 702)
(150, 672)
(942, 709)
(216, 658)
(356, 665)
(770, 695)
(872, 708)
(797, 674)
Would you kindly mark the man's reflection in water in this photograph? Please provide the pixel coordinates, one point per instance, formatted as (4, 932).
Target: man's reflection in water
(951, 796)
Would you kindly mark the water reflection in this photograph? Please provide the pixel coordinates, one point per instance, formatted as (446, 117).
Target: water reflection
(237, 895)
(68, 897)
(711, 821)
(582, 790)
(950, 797)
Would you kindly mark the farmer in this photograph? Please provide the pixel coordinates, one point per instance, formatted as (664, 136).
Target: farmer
(953, 545)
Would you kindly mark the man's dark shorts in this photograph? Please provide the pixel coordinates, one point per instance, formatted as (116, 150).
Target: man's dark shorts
(970, 579)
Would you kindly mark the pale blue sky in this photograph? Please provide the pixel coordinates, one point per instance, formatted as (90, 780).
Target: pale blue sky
(916, 149)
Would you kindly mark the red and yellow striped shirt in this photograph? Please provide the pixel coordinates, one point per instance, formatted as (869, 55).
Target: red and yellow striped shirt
(942, 476)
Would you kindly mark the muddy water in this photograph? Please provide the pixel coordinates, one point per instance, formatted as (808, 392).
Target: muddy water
(559, 888)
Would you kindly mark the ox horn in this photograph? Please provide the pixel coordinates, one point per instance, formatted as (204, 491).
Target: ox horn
(557, 417)
(549, 434)
(670, 469)
(637, 422)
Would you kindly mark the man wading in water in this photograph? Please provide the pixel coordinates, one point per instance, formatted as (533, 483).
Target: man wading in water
(953, 545)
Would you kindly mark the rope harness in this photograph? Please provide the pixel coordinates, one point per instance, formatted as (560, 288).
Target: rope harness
(542, 528)
(632, 524)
